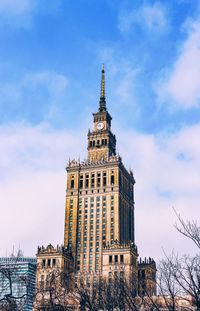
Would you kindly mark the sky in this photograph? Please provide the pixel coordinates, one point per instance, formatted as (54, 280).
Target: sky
(51, 52)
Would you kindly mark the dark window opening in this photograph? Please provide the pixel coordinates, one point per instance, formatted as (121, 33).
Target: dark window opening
(106, 142)
(104, 179)
(81, 182)
(90, 143)
(86, 181)
(43, 262)
(92, 181)
(93, 143)
(72, 183)
(112, 180)
(110, 259)
(98, 179)
(122, 258)
(116, 258)
(54, 262)
(143, 273)
(49, 262)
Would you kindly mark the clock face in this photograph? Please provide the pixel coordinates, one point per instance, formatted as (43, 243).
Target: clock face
(100, 126)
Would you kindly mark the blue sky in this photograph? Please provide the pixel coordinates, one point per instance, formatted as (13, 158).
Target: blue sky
(51, 53)
(137, 42)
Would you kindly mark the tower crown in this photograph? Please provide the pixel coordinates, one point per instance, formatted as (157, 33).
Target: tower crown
(101, 141)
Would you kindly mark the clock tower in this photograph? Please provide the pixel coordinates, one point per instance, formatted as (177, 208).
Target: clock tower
(99, 198)
(101, 141)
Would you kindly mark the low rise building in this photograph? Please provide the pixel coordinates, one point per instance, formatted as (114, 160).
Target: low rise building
(17, 282)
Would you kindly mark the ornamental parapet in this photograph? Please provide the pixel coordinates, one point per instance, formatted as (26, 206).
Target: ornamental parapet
(86, 163)
(50, 249)
(115, 244)
(146, 262)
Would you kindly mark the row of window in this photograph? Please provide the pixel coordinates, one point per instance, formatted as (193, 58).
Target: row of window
(92, 180)
(114, 259)
(98, 142)
(50, 262)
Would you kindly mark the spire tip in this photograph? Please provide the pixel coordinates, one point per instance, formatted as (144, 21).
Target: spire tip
(102, 102)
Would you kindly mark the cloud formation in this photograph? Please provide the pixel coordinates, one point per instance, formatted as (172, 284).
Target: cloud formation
(34, 94)
(32, 184)
(33, 180)
(151, 17)
(17, 13)
(180, 85)
(166, 168)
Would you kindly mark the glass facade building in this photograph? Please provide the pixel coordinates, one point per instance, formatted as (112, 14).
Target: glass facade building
(17, 280)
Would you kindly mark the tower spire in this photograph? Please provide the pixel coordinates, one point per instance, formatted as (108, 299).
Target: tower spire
(102, 102)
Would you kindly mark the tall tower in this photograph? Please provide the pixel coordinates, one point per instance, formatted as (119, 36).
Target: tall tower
(99, 196)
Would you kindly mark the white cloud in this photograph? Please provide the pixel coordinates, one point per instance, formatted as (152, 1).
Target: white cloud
(17, 13)
(33, 180)
(166, 169)
(16, 7)
(180, 85)
(36, 94)
(32, 184)
(152, 17)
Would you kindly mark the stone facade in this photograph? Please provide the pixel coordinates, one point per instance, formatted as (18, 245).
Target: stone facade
(99, 214)
(147, 277)
(99, 197)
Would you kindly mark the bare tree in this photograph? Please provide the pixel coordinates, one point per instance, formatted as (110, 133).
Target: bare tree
(56, 292)
(178, 278)
(189, 229)
(14, 286)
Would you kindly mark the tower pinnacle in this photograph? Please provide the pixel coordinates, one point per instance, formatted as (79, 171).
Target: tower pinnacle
(102, 102)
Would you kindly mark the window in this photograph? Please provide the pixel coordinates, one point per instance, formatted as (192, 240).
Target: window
(72, 183)
(81, 182)
(49, 262)
(92, 180)
(143, 273)
(98, 179)
(104, 179)
(43, 263)
(110, 259)
(121, 258)
(86, 180)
